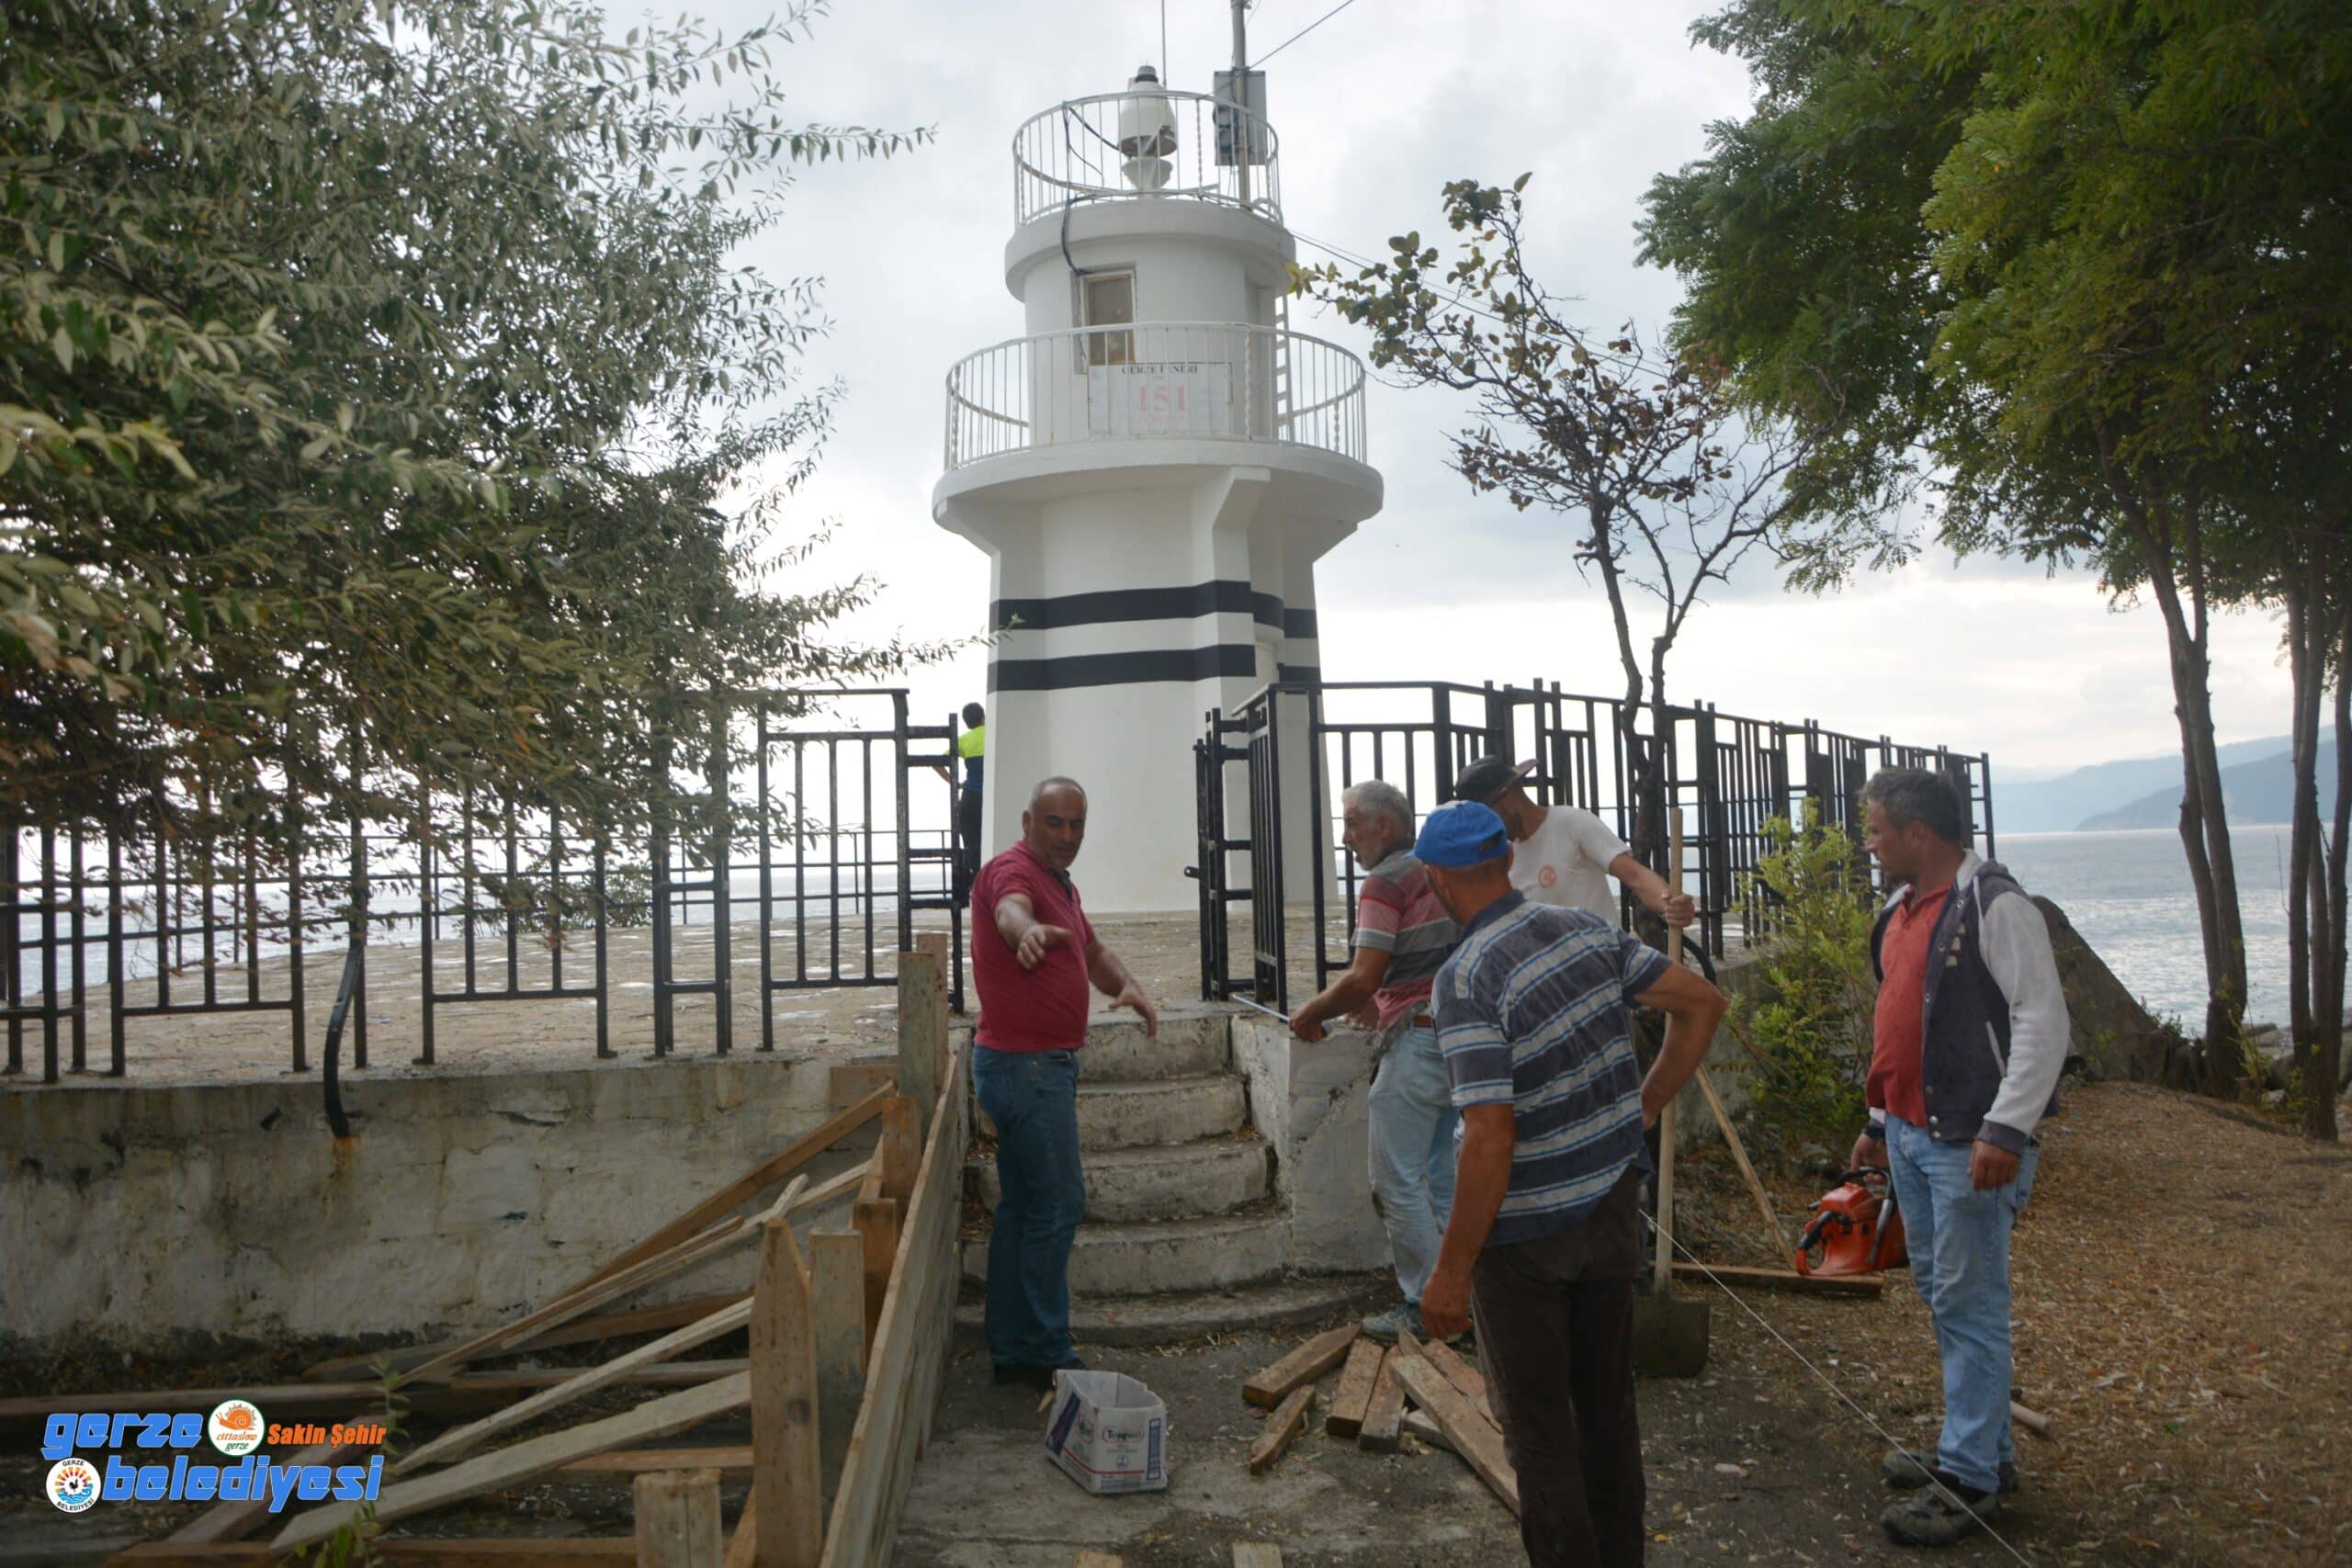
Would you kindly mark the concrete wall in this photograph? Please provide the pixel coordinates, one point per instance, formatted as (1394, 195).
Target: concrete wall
(163, 1220)
(1308, 1103)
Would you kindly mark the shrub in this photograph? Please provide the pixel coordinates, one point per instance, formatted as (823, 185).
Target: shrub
(1814, 1031)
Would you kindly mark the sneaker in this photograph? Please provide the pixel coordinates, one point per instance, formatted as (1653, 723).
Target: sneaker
(1908, 1473)
(1383, 1327)
(1931, 1516)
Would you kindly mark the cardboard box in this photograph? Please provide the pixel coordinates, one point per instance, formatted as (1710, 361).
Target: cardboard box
(1108, 1432)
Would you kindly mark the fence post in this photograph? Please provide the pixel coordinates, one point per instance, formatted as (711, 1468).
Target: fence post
(787, 1480)
(722, 860)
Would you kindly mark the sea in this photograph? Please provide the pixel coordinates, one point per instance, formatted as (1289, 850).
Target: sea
(2127, 892)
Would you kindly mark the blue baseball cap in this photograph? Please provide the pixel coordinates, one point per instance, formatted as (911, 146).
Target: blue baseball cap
(1462, 834)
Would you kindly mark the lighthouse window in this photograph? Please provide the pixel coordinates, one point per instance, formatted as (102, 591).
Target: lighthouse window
(1108, 299)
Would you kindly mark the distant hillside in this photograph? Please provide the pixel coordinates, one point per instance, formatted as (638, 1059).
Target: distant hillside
(2060, 804)
(2257, 793)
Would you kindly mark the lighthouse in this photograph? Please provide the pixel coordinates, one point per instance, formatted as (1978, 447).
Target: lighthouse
(1154, 467)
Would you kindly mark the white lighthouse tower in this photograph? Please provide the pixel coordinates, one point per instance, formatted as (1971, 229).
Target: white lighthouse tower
(1154, 469)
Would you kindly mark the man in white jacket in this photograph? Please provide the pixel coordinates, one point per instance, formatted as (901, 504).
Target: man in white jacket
(1970, 1038)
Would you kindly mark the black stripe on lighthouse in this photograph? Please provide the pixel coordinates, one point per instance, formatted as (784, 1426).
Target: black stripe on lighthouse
(1237, 660)
(1222, 595)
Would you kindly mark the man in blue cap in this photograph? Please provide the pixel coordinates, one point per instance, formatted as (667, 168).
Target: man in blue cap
(1534, 1014)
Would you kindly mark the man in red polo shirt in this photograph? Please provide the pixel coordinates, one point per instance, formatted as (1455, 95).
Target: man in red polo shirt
(1971, 1034)
(1033, 954)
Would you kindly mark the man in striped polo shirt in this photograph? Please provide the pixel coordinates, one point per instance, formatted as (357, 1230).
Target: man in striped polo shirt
(1402, 935)
(1534, 1014)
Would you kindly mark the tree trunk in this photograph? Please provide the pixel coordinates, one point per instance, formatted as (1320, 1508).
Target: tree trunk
(2319, 1118)
(2307, 674)
(2204, 825)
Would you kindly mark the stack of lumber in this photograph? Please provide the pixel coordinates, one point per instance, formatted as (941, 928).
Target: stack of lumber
(1381, 1393)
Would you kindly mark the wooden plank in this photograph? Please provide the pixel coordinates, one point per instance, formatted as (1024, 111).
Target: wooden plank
(235, 1520)
(1779, 1244)
(1861, 1285)
(846, 1083)
(625, 1465)
(922, 987)
(900, 1152)
(744, 1546)
(508, 1467)
(1418, 1422)
(580, 1331)
(1286, 1423)
(677, 1519)
(788, 1475)
(743, 1188)
(505, 1551)
(837, 1306)
(876, 1221)
(908, 1360)
(1353, 1396)
(1255, 1554)
(1480, 1446)
(1385, 1412)
(1459, 1372)
(1098, 1560)
(497, 1386)
(464, 1440)
(1271, 1385)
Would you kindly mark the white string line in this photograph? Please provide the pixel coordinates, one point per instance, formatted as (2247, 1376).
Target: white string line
(1829, 1384)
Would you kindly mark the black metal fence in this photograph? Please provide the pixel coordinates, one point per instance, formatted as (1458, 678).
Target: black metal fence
(1299, 745)
(496, 896)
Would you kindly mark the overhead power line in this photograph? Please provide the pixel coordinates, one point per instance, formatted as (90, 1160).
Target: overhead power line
(1302, 32)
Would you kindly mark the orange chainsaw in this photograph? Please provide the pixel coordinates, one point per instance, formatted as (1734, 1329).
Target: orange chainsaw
(1855, 1229)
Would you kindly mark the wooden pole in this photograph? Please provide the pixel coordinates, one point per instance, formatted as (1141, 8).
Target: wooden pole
(787, 1479)
(1662, 1276)
(677, 1519)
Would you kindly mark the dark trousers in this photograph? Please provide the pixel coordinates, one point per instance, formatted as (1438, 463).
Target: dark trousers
(967, 841)
(1556, 1330)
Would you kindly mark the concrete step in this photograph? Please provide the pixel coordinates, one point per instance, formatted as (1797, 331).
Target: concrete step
(1164, 1110)
(1180, 1181)
(1288, 1302)
(1213, 1254)
(1189, 1044)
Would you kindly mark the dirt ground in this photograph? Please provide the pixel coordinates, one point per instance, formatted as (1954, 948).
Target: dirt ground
(2183, 1284)
(2184, 1313)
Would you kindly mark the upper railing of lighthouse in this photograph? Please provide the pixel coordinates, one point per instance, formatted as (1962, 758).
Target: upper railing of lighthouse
(1145, 143)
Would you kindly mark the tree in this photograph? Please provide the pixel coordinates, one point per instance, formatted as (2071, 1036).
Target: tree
(1667, 492)
(2049, 268)
(375, 382)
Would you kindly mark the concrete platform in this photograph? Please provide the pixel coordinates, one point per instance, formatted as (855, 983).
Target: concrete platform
(1218, 1252)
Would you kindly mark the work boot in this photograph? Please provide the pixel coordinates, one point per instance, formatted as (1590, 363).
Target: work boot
(1931, 1516)
(1406, 1315)
(1907, 1472)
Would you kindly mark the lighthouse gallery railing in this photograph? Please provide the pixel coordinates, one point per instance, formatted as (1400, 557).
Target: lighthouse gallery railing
(1156, 380)
(1070, 153)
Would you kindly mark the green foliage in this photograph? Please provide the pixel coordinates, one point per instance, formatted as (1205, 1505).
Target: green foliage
(1815, 1032)
(376, 375)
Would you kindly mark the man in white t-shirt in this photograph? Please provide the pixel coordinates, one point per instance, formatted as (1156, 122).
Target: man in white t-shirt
(1563, 855)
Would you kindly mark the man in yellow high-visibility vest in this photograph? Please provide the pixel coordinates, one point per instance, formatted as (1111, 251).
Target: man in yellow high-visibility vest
(971, 748)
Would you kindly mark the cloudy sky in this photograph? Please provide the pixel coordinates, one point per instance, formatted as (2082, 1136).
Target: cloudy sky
(1376, 109)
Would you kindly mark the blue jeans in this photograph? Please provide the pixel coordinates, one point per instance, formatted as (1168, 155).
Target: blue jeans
(1959, 1242)
(1032, 1096)
(1411, 1149)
